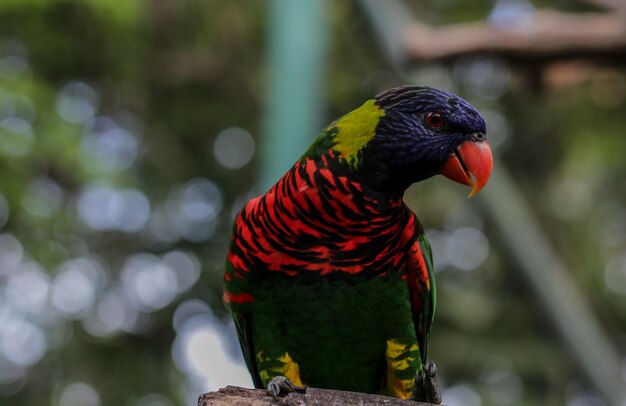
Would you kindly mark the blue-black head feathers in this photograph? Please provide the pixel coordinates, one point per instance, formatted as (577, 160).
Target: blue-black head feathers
(416, 100)
(408, 147)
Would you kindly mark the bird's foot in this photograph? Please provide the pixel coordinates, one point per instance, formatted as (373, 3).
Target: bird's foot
(281, 385)
(426, 387)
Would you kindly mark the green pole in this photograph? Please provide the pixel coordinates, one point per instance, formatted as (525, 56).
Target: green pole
(295, 64)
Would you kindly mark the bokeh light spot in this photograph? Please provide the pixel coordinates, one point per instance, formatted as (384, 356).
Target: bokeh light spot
(22, 342)
(234, 147)
(162, 225)
(74, 287)
(150, 281)
(13, 66)
(43, 198)
(198, 204)
(108, 147)
(201, 350)
(188, 310)
(16, 136)
(585, 398)
(201, 200)
(114, 312)
(467, 248)
(107, 208)
(512, 15)
(77, 102)
(13, 58)
(462, 395)
(186, 267)
(79, 394)
(11, 253)
(28, 289)
(16, 105)
(503, 386)
(488, 78)
(498, 128)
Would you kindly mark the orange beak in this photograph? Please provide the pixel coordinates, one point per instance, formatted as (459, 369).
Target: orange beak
(470, 165)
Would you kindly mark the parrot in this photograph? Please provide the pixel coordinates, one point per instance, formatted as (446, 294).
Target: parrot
(329, 275)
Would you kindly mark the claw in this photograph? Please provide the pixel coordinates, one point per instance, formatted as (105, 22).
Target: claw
(426, 387)
(431, 369)
(279, 385)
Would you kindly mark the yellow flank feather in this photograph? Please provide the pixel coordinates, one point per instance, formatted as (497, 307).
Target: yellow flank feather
(356, 129)
(398, 360)
(288, 368)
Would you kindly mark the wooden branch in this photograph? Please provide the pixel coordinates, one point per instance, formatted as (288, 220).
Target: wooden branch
(234, 395)
(542, 34)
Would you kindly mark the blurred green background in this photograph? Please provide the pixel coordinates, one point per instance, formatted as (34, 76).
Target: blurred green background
(131, 132)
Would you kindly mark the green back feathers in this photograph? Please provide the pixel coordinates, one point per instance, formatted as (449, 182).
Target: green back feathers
(349, 134)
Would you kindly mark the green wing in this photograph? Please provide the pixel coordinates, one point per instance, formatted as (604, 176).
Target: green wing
(244, 331)
(427, 294)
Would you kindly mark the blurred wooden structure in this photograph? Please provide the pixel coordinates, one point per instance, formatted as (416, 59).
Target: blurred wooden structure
(532, 40)
(543, 35)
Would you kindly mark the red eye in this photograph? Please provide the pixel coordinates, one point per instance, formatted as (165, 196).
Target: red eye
(434, 119)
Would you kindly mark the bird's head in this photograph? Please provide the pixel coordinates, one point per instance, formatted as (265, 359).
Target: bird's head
(410, 133)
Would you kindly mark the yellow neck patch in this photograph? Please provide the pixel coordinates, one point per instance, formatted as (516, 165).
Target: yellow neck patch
(356, 129)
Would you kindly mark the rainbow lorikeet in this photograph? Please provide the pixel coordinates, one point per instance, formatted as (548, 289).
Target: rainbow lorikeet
(329, 274)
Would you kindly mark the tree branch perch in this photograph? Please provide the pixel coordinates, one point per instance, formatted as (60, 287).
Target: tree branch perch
(234, 395)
